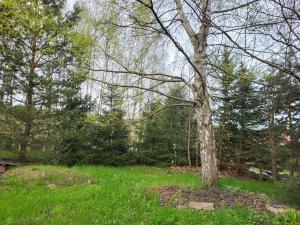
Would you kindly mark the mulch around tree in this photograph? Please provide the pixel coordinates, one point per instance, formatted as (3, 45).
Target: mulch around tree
(181, 197)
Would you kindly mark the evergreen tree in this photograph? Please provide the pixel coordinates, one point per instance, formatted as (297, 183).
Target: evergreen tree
(240, 133)
(94, 139)
(40, 50)
(162, 138)
(224, 113)
(246, 113)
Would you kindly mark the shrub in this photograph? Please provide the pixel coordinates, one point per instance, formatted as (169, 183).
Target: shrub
(292, 193)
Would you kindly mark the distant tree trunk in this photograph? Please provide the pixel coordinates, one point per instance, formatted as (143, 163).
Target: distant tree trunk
(273, 153)
(197, 154)
(29, 102)
(11, 90)
(260, 172)
(104, 77)
(238, 161)
(189, 140)
(291, 143)
(273, 147)
(27, 125)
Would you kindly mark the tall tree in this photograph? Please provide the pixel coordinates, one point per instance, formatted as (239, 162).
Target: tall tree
(197, 30)
(224, 113)
(39, 47)
(161, 133)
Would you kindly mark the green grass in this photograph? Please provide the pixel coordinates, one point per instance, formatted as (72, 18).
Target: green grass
(86, 195)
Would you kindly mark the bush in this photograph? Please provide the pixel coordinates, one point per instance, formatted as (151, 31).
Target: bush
(101, 140)
(291, 217)
(291, 191)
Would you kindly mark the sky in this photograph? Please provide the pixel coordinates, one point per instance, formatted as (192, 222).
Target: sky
(70, 3)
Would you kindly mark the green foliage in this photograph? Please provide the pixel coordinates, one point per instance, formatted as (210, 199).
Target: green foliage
(163, 136)
(40, 56)
(291, 217)
(83, 139)
(71, 139)
(109, 139)
(291, 189)
(240, 133)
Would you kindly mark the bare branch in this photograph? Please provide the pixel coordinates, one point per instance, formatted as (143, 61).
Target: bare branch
(185, 22)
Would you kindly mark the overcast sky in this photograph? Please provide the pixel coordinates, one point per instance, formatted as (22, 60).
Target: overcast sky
(70, 3)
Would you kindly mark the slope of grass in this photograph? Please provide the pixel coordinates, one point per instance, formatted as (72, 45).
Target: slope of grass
(104, 195)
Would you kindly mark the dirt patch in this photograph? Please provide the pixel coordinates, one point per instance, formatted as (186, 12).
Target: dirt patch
(49, 177)
(182, 197)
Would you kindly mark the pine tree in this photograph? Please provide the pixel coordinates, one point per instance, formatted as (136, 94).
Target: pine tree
(224, 113)
(39, 49)
(162, 139)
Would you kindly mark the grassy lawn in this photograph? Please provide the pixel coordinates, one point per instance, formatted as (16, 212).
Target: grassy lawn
(39, 194)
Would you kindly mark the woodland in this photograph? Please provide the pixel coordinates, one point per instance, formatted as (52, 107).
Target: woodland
(142, 86)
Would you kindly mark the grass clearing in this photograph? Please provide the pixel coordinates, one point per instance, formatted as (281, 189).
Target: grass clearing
(116, 196)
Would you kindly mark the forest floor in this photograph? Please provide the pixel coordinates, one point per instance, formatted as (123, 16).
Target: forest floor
(135, 195)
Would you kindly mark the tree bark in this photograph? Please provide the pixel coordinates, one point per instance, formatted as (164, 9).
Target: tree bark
(200, 92)
(207, 146)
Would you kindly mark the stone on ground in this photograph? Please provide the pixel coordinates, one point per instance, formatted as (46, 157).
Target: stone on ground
(207, 206)
(276, 209)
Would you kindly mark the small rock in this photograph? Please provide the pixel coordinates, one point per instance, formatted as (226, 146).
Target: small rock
(207, 206)
(52, 186)
(276, 209)
(181, 206)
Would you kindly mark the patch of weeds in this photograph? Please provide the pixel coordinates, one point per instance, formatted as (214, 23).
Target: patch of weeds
(260, 219)
(291, 217)
(291, 193)
(176, 198)
(49, 177)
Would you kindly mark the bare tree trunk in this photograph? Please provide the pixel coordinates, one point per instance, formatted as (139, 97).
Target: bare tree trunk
(207, 146)
(273, 147)
(189, 140)
(200, 92)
